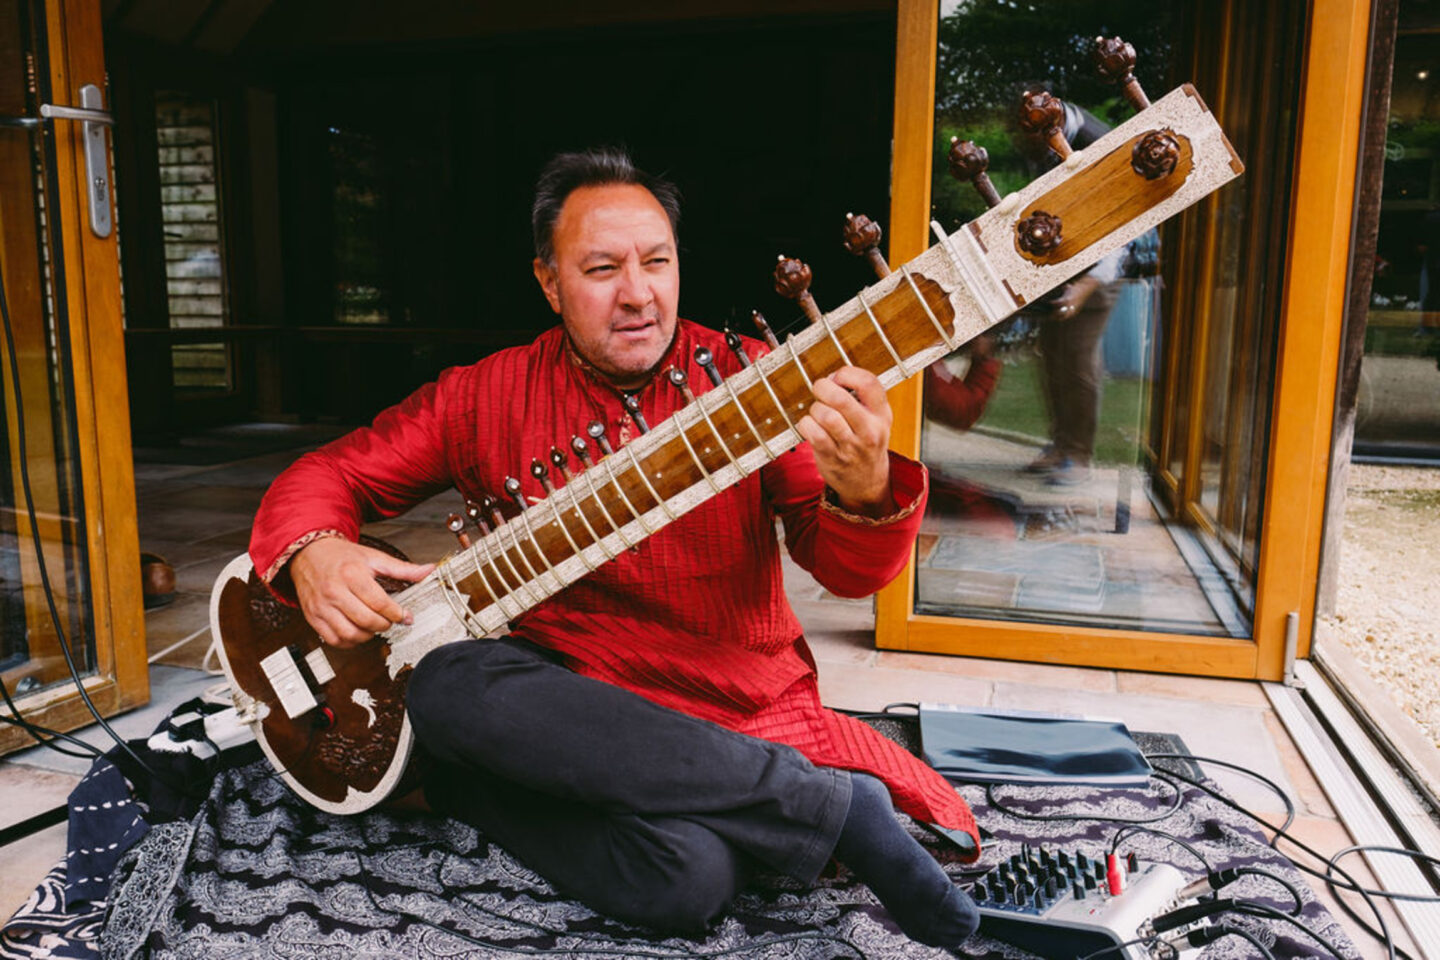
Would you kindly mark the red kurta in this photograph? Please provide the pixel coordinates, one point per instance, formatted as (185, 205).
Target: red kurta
(693, 618)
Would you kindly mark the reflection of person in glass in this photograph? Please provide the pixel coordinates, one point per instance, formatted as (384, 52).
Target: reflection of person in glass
(1072, 322)
(958, 403)
(1072, 374)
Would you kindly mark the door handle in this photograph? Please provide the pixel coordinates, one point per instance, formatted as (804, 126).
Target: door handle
(94, 118)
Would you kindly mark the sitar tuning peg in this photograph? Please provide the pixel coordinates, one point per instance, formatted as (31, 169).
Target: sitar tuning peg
(758, 318)
(596, 430)
(1043, 116)
(732, 340)
(582, 450)
(560, 462)
(492, 506)
(477, 516)
(792, 281)
(706, 360)
(970, 161)
(1115, 62)
(681, 381)
(514, 492)
(862, 238)
(632, 406)
(456, 525)
(540, 472)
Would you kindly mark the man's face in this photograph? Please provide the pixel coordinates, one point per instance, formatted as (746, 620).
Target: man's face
(616, 279)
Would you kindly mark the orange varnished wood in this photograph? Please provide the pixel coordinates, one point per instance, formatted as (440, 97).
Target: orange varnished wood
(1102, 197)
(1319, 246)
(102, 412)
(120, 677)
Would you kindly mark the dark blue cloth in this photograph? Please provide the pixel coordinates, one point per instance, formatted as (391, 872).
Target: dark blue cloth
(105, 821)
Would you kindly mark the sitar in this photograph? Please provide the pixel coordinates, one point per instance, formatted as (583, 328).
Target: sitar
(333, 722)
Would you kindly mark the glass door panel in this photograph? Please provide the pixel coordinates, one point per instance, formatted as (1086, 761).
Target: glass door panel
(69, 571)
(1238, 358)
(1398, 407)
(44, 564)
(1106, 470)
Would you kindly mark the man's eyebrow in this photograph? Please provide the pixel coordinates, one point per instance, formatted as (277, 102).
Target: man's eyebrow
(664, 247)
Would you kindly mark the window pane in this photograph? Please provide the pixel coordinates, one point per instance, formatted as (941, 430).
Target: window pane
(361, 293)
(1398, 409)
(1048, 501)
(194, 251)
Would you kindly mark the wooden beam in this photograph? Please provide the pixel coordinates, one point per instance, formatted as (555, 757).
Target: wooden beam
(1322, 203)
(917, 30)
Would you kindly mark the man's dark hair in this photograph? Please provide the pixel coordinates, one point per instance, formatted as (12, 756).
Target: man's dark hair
(596, 167)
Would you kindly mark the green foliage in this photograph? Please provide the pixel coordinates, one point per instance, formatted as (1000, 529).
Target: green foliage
(1418, 134)
(988, 49)
(1017, 407)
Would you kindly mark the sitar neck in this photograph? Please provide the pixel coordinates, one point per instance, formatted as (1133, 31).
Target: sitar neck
(1095, 202)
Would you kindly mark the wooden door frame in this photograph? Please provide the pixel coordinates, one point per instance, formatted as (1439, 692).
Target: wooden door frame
(92, 294)
(1332, 95)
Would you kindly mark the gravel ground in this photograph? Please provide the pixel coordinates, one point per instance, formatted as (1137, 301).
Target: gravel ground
(1388, 607)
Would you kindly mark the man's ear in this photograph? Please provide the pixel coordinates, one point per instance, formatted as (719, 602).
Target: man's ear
(549, 282)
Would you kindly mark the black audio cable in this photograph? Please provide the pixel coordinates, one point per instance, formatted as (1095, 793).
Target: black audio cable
(1204, 936)
(1215, 879)
(1181, 916)
(1124, 832)
(39, 733)
(1251, 908)
(1383, 935)
(1176, 800)
(1398, 851)
(1116, 947)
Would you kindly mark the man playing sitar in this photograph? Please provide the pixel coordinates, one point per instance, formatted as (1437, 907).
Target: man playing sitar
(647, 736)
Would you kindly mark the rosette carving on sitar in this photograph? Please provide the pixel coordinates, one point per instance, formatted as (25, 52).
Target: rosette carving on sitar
(1155, 155)
(1038, 233)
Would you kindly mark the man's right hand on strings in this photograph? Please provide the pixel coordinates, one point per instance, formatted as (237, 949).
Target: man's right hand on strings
(335, 584)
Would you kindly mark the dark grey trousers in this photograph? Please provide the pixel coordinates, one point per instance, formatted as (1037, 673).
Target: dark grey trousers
(641, 812)
(1073, 374)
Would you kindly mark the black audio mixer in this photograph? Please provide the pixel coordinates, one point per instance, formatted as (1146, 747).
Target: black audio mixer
(1066, 904)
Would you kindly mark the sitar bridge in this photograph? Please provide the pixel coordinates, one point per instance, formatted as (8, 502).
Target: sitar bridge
(967, 254)
(297, 687)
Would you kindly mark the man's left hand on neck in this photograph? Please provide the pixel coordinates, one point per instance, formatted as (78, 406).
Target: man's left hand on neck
(848, 427)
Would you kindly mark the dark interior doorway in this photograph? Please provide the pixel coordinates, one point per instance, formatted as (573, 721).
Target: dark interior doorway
(371, 198)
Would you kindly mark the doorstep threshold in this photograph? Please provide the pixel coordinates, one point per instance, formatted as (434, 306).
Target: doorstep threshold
(1344, 775)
